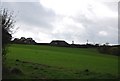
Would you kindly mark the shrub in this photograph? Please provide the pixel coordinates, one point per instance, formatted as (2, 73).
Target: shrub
(114, 51)
(109, 50)
(103, 49)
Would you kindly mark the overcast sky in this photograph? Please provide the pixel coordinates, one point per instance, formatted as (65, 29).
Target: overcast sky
(69, 20)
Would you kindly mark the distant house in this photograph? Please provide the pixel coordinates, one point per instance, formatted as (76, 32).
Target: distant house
(59, 43)
(30, 41)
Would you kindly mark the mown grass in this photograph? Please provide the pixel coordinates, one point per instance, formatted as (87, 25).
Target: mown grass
(49, 62)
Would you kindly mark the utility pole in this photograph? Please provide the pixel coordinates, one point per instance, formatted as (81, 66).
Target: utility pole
(87, 41)
(72, 42)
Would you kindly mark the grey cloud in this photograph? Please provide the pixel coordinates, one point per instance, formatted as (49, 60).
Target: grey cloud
(36, 16)
(93, 27)
(32, 13)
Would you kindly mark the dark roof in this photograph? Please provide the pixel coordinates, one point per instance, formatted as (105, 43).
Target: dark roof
(59, 43)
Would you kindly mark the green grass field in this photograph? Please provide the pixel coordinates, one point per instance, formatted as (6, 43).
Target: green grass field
(47, 62)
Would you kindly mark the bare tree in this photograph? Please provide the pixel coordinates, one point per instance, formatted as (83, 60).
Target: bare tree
(7, 24)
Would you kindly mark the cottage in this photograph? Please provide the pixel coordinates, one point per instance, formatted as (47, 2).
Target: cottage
(59, 43)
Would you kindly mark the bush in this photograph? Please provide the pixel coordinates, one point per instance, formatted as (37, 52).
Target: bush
(109, 50)
(114, 51)
(103, 49)
(7, 24)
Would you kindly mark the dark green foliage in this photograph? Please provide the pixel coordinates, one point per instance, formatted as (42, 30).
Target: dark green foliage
(6, 37)
(7, 25)
(112, 50)
(103, 49)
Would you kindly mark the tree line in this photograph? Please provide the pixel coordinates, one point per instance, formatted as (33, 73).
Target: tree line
(24, 40)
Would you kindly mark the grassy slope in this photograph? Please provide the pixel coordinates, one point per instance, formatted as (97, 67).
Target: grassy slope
(77, 59)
